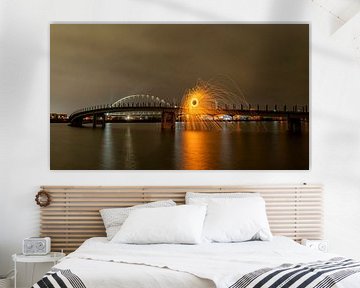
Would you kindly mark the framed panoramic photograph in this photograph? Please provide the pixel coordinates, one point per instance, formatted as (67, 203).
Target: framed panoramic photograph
(179, 97)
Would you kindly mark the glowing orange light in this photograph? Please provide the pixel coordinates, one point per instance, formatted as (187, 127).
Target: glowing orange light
(194, 102)
(201, 103)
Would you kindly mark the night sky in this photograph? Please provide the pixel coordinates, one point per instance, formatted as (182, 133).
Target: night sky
(94, 64)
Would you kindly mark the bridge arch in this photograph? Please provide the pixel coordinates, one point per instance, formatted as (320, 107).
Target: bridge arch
(136, 102)
(140, 100)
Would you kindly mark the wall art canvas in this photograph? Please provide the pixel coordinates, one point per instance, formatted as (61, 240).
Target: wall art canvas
(179, 97)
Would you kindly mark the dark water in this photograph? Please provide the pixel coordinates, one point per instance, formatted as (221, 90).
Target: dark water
(241, 145)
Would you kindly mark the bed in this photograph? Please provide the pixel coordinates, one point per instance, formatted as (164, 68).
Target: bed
(99, 263)
(295, 211)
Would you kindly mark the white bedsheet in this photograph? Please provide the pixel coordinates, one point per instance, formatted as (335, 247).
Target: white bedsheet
(102, 264)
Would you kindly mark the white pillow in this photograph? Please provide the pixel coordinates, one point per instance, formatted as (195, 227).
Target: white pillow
(204, 198)
(113, 218)
(180, 224)
(236, 220)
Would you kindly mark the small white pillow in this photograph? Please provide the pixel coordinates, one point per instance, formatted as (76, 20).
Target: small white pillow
(204, 198)
(180, 224)
(113, 218)
(236, 220)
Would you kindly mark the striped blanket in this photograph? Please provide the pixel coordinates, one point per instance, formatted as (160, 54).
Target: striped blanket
(320, 274)
(59, 278)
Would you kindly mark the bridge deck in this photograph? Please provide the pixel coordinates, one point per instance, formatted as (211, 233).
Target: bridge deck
(303, 114)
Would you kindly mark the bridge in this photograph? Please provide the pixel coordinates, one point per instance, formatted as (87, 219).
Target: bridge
(170, 113)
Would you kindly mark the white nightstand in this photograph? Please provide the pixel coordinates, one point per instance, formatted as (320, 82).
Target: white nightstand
(320, 245)
(53, 257)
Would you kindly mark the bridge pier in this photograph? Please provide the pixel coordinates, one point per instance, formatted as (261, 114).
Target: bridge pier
(168, 119)
(103, 121)
(77, 123)
(96, 118)
(294, 125)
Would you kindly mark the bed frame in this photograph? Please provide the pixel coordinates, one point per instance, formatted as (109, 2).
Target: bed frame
(73, 215)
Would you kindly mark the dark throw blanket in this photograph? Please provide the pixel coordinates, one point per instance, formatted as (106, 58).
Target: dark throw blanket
(320, 274)
(59, 278)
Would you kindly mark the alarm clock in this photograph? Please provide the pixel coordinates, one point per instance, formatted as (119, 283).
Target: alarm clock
(36, 246)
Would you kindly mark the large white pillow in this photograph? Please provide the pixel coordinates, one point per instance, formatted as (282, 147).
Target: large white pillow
(113, 218)
(236, 220)
(180, 224)
(204, 198)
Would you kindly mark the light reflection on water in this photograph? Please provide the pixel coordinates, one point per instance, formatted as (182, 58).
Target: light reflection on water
(143, 146)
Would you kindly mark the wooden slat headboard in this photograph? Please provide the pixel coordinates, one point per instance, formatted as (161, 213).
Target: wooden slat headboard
(73, 215)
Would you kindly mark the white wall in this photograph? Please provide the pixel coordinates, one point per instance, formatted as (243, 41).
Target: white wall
(24, 109)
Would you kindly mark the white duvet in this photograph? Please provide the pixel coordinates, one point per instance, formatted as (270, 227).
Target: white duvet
(100, 263)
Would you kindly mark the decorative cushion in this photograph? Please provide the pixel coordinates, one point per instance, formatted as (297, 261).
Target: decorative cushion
(113, 218)
(236, 220)
(172, 225)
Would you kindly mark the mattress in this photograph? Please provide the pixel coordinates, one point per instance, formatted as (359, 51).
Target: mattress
(99, 263)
